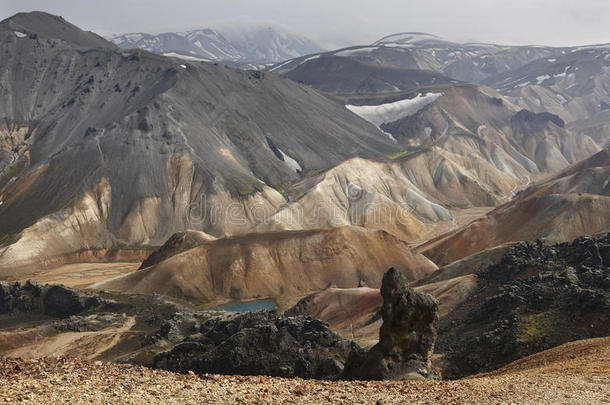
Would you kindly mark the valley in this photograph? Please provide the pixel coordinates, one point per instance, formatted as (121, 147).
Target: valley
(81, 275)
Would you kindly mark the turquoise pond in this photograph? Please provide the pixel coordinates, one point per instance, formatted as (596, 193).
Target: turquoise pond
(246, 306)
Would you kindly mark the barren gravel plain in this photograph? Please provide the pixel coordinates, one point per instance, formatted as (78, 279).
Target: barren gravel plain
(575, 373)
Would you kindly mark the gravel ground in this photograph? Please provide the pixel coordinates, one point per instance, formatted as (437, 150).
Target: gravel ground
(584, 380)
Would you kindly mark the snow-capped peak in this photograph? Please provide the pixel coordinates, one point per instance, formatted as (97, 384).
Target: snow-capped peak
(238, 42)
(408, 38)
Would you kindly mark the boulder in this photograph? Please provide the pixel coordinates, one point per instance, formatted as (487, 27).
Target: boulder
(406, 337)
(60, 301)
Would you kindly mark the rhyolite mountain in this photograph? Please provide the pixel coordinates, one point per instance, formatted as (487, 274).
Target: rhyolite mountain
(100, 146)
(274, 264)
(241, 42)
(573, 85)
(574, 202)
(34, 24)
(464, 146)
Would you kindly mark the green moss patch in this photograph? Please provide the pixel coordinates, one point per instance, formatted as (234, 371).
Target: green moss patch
(537, 328)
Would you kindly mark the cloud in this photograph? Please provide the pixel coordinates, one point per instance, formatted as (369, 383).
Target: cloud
(346, 22)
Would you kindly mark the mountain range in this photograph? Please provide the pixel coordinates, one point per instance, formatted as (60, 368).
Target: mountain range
(201, 136)
(470, 62)
(241, 42)
(472, 170)
(567, 81)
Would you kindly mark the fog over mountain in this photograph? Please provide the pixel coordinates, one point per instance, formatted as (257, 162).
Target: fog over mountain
(256, 43)
(349, 22)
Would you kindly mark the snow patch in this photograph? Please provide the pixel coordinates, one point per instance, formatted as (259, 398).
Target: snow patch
(389, 135)
(279, 66)
(183, 66)
(564, 74)
(310, 58)
(542, 78)
(133, 37)
(390, 112)
(350, 52)
(571, 79)
(290, 162)
(407, 38)
(511, 82)
(591, 47)
(20, 34)
(185, 57)
(396, 45)
(570, 86)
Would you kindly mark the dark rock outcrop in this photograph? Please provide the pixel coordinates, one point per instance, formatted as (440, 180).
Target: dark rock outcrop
(254, 343)
(88, 323)
(177, 243)
(528, 116)
(181, 325)
(535, 298)
(406, 338)
(53, 300)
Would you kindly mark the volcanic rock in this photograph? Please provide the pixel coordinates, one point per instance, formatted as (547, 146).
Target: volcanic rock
(261, 342)
(535, 298)
(406, 338)
(53, 300)
(538, 118)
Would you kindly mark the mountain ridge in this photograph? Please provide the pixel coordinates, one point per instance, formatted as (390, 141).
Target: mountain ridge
(51, 26)
(249, 43)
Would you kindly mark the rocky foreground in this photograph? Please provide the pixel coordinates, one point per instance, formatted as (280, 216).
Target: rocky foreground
(575, 373)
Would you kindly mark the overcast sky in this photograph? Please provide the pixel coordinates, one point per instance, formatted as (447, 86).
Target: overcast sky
(334, 23)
